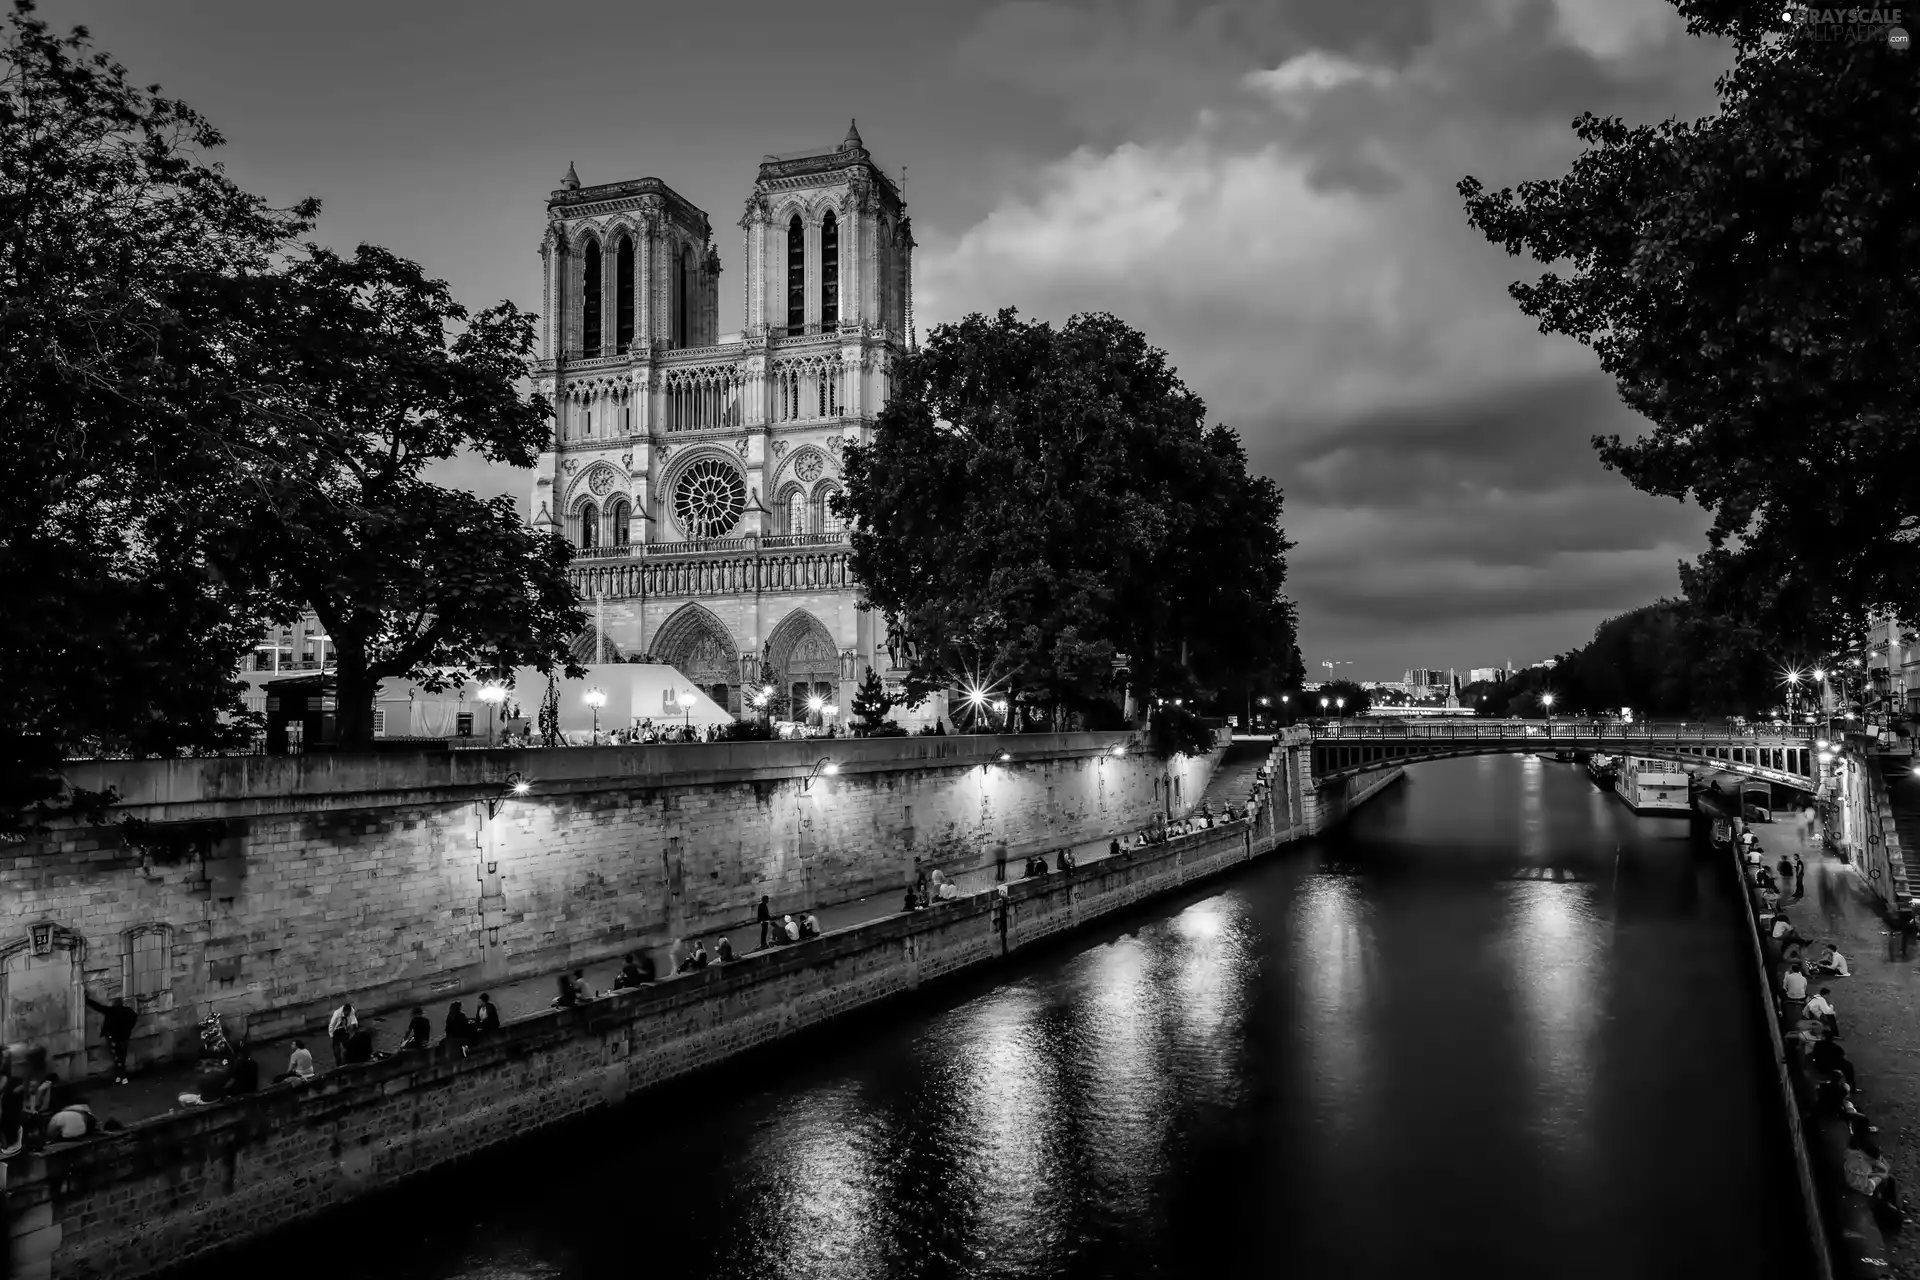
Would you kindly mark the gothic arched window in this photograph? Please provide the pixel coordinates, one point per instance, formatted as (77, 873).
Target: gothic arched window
(796, 276)
(826, 521)
(623, 295)
(589, 527)
(622, 522)
(590, 300)
(796, 512)
(829, 272)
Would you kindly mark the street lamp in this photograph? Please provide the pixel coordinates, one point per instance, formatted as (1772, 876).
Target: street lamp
(1284, 698)
(815, 703)
(824, 765)
(1340, 704)
(493, 693)
(1546, 700)
(595, 698)
(512, 787)
(685, 699)
(1323, 708)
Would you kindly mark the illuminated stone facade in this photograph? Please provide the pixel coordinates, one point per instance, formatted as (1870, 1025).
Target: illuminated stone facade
(693, 468)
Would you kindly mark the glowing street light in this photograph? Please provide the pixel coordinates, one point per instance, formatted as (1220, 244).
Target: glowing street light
(824, 765)
(595, 698)
(685, 699)
(511, 788)
(1340, 705)
(1546, 700)
(493, 693)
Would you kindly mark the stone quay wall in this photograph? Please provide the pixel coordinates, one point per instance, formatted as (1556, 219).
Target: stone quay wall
(183, 1185)
(267, 889)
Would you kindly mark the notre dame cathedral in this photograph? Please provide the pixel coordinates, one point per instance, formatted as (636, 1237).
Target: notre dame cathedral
(692, 468)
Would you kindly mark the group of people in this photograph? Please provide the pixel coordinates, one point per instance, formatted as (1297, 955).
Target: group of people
(925, 891)
(785, 930)
(1815, 1031)
(28, 1117)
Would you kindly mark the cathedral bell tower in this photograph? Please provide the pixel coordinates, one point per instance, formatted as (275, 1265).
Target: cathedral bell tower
(828, 246)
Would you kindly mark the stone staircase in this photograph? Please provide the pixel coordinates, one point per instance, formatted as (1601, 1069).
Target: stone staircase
(1903, 797)
(1234, 776)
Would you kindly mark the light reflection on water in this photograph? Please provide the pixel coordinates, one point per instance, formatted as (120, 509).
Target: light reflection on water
(1415, 1047)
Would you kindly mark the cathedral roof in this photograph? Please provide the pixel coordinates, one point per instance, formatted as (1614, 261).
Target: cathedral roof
(853, 142)
(573, 200)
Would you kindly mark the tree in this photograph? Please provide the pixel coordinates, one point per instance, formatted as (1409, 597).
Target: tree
(871, 703)
(1036, 503)
(1749, 280)
(359, 387)
(118, 243)
(1357, 698)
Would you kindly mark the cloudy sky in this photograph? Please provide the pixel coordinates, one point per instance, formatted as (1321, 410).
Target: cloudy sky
(1265, 187)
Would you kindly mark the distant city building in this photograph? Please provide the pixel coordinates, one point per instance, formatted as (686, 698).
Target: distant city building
(1484, 675)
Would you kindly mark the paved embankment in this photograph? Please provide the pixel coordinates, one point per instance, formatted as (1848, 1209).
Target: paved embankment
(179, 1186)
(1877, 1007)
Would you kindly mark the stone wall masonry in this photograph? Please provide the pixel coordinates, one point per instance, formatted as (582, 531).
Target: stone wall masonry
(180, 1186)
(388, 880)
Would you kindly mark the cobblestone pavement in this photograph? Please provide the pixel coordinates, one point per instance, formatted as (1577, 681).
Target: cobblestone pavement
(1878, 1008)
(156, 1090)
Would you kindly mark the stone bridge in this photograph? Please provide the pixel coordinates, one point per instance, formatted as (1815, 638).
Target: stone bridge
(1347, 749)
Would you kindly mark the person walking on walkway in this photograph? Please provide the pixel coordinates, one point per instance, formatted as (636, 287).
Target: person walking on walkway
(117, 1030)
(340, 1029)
(765, 917)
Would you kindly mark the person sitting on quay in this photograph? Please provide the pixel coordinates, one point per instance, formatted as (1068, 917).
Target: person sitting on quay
(790, 929)
(36, 1095)
(1867, 1172)
(75, 1121)
(1066, 860)
(913, 900)
(13, 1098)
(340, 1027)
(1769, 899)
(764, 916)
(360, 1046)
(209, 1087)
(581, 986)
(419, 1031)
(939, 887)
(1783, 931)
(724, 952)
(1821, 1009)
(299, 1065)
(1823, 1054)
(1113, 849)
(458, 1028)
(568, 997)
(949, 891)
(1794, 984)
(809, 926)
(629, 975)
(699, 959)
(486, 1018)
(1831, 963)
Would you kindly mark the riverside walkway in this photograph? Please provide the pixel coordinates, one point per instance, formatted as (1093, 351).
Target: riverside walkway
(155, 1090)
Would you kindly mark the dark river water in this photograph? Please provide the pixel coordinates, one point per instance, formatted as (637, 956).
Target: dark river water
(1499, 1027)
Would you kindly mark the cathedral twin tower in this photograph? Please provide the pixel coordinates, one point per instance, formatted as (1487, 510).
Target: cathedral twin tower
(693, 469)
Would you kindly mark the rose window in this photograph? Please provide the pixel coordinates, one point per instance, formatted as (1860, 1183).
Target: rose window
(709, 499)
(600, 481)
(808, 468)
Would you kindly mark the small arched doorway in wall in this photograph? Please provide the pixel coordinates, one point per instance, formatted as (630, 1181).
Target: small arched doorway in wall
(696, 643)
(42, 1001)
(804, 660)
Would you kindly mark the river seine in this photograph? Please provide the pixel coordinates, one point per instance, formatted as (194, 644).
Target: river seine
(1497, 1027)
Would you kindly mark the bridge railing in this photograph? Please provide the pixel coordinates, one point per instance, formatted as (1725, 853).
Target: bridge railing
(1542, 731)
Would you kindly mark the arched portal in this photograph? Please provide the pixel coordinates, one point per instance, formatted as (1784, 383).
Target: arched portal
(592, 646)
(804, 660)
(696, 643)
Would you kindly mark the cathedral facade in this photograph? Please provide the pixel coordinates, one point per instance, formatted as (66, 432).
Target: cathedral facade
(692, 469)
